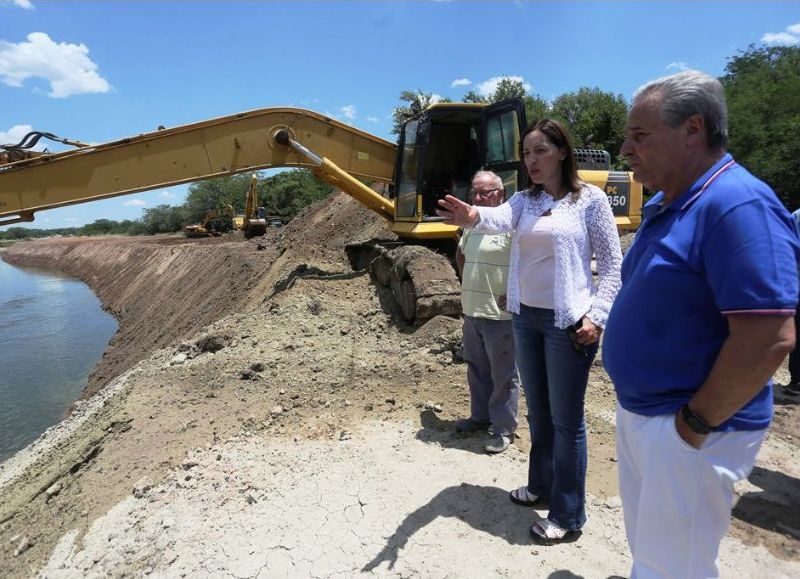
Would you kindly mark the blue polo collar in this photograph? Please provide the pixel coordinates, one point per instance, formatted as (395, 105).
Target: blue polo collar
(656, 203)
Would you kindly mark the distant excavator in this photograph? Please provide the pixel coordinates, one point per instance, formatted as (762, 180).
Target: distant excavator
(254, 220)
(206, 227)
(437, 153)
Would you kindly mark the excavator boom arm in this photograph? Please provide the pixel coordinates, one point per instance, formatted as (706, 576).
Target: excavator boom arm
(184, 154)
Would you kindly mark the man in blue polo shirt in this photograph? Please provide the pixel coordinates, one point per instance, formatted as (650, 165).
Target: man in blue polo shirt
(703, 320)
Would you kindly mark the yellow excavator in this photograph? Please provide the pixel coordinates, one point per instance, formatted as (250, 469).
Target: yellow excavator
(437, 153)
(254, 220)
(205, 228)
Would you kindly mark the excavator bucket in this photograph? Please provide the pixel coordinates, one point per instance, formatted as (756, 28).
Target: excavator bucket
(255, 228)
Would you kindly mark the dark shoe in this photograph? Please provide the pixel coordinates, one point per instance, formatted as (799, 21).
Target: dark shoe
(498, 443)
(792, 389)
(523, 497)
(469, 425)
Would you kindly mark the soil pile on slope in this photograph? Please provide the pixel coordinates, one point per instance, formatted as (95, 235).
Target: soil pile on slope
(166, 288)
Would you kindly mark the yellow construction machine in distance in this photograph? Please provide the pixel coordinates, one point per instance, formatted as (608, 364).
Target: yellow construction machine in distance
(254, 220)
(205, 228)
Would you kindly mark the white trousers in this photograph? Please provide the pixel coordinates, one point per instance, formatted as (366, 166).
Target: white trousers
(677, 500)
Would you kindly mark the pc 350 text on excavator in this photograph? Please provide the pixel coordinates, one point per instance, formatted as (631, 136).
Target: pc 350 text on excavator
(437, 153)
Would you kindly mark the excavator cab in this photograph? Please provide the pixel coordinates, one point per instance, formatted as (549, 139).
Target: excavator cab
(442, 148)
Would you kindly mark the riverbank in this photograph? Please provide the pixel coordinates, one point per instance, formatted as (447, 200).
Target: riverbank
(285, 423)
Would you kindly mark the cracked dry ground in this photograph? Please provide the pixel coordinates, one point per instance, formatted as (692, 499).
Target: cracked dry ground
(296, 436)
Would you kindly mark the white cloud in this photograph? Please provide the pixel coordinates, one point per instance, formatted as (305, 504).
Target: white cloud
(461, 82)
(349, 112)
(21, 3)
(488, 87)
(436, 98)
(15, 134)
(781, 38)
(135, 203)
(167, 195)
(372, 119)
(70, 219)
(677, 66)
(789, 37)
(65, 66)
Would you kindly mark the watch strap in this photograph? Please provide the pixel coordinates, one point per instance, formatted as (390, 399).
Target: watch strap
(694, 421)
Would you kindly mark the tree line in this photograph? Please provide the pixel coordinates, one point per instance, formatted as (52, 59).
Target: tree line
(763, 92)
(284, 195)
(762, 86)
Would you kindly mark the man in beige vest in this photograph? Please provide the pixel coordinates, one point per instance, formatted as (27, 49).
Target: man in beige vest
(488, 338)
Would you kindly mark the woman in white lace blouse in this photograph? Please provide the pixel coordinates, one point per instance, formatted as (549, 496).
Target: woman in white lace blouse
(559, 222)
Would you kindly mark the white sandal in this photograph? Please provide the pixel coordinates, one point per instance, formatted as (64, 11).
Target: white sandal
(522, 496)
(546, 531)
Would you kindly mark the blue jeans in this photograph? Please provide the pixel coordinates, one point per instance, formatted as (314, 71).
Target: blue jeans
(554, 377)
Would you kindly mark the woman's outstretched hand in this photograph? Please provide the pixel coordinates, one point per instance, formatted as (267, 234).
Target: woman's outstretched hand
(456, 212)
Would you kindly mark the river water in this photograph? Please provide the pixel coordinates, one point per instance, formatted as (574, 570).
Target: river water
(53, 331)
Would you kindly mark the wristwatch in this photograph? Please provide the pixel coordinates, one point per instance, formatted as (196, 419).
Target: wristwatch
(694, 421)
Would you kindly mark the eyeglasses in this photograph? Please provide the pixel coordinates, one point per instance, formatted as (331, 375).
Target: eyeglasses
(475, 192)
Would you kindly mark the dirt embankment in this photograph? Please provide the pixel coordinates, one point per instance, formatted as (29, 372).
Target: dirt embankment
(163, 289)
(272, 416)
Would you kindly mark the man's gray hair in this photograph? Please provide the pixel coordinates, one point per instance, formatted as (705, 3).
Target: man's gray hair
(492, 175)
(690, 93)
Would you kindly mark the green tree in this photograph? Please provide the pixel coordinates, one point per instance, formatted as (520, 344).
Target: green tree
(508, 88)
(473, 97)
(216, 194)
(590, 112)
(762, 87)
(163, 219)
(417, 102)
(137, 228)
(289, 192)
(99, 227)
(16, 233)
(536, 108)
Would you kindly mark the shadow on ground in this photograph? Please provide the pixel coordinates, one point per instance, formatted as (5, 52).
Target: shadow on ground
(484, 508)
(776, 508)
(443, 432)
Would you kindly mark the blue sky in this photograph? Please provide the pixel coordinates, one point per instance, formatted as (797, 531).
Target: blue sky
(99, 71)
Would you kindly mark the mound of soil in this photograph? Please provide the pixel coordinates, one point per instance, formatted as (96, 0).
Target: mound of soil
(162, 289)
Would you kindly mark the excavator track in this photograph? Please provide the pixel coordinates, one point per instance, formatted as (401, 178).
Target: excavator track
(422, 280)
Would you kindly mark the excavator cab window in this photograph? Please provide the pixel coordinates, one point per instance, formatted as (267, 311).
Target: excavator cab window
(504, 123)
(406, 191)
(451, 158)
(443, 148)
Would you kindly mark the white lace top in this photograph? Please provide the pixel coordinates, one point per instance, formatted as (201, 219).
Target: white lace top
(586, 227)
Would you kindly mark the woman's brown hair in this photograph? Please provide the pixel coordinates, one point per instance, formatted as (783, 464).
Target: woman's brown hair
(558, 136)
